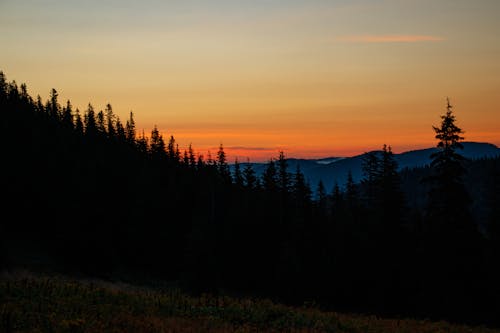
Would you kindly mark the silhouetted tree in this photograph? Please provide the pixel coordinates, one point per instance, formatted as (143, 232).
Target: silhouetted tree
(67, 116)
(371, 170)
(54, 109)
(130, 132)
(110, 122)
(321, 197)
(301, 190)
(101, 123)
(270, 177)
(283, 174)
(238, 176)
(250, 179)
(143, 144)
(448, 203)
(157, 145)
(79, 128)
(120, 131)
(191, 157)
(451, 238)
(222, 165)
(172, 150)
(89, 120)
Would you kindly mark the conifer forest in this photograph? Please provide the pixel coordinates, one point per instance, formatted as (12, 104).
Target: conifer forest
(87, 194)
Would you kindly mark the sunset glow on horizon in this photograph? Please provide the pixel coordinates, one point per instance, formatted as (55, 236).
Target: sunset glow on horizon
(310, 78)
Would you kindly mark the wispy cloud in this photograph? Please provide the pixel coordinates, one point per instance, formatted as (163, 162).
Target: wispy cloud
(389, 38)
(249, 148)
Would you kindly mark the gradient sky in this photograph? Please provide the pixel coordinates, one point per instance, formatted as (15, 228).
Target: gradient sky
(313, 78)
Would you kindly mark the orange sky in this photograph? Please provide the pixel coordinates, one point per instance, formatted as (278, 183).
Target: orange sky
(313, 78)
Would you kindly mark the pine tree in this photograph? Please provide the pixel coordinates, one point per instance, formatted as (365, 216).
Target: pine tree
(283, 174)
(130, 130)
(110, 122)
(238, 176)
(79, 128)
(171, 153)
(371, 167)
(270, 177)
(451, 245)
(143, 144)
(3, 87)
(321, 197)
(250, 179)
(89, 121)
(351, 192)
(391, 198)
(54, 109)
(448, 199)
(222, 165)
(191, 157)
(157, 144)
(120, 131)
(67, 116)
(301, 190)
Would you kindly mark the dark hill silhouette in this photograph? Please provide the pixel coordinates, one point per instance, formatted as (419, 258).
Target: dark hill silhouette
(331, 170)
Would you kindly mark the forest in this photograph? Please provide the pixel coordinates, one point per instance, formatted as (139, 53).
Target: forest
(85, 194)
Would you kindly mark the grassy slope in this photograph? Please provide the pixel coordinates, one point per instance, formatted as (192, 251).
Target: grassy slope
(30, 303)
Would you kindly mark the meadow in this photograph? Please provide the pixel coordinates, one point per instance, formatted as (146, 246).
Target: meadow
(46, 303)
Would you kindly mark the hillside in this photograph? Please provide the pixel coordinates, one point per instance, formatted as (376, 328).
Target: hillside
(86, 195)
(38, 303)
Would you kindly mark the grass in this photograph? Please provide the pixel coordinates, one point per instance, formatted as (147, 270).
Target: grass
(34, 303)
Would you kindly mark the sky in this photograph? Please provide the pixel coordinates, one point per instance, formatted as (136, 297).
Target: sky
(311, 78)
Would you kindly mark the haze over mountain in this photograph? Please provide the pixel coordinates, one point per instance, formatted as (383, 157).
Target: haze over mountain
(333, 170)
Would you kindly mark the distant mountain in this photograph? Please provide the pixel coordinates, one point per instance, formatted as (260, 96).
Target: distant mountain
(333, 170)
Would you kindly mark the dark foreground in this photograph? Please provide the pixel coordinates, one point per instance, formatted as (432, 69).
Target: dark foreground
(35, 303)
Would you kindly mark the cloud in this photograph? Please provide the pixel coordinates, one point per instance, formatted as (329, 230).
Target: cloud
(249, 148)
(390, 38)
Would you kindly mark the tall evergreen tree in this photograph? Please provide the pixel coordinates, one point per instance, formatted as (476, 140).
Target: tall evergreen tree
(371, 167)
(250, 179)
(301, 190)
(130, 132)
(270, 177)
(120, 131)
(451, 242)
(143, 144)
(191, 157)
(67, 115)
(222, 165)
(448, 201)
(110, 122)
(90, 122)
(101, 123)
(54, 109)
(283, 174)
(238, 175)
(172, 151)
(79, 127)
(351, 192)
(157, 144)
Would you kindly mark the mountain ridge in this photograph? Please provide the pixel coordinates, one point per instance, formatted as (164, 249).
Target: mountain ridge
(334, 169)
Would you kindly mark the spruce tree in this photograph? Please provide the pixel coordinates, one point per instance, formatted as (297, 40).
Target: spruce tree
(250, 179)
(270, 177)
(222, 165)
(238, 176)
(283, 174)
(451, 242)
(448, 199)
(157, 144)
(130, 130)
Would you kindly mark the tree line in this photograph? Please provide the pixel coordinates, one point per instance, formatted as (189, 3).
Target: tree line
(85, 193)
